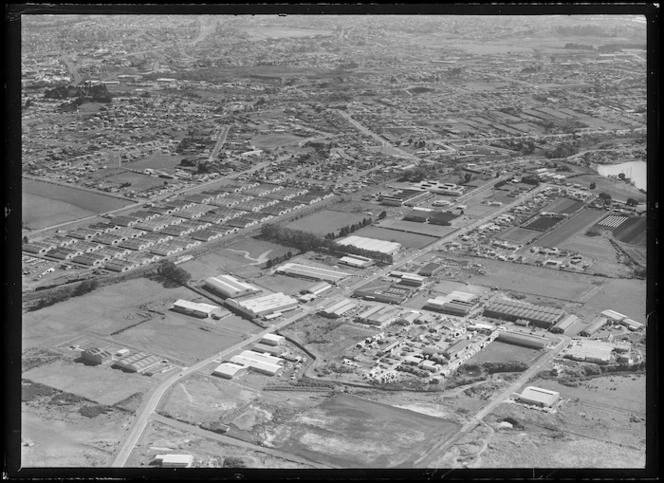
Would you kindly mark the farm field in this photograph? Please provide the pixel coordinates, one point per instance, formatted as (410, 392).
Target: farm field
(519, 235)
(326, 221)
(543, 223)
(103, 311)
(100, 383)
(632, 231)
(627, 296)
(46, 204)
(527, 279)
(568, 228)
(498, 351)
(351, 432)
(408, 240)
(418, 228)
(184, 338)
(563, 205)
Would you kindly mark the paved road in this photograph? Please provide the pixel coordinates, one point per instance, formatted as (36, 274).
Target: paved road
(190, 428)
(437, 450)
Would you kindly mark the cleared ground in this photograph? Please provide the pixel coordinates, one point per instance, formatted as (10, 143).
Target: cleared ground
(569, 228)
(563, 205)
(519, 235)
(326, 221)
(46, 204)
(498, 351)
(627, 296)
(542, 223)
(408, 240)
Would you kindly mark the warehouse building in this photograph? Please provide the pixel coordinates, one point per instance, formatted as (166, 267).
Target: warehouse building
(564, 324)
(120, 265)
(96, 355)
(272, 350)
(431, 269)
(537, 396)
(631, 324)
(356, 261)
(338, 309)
(263, 363)
(411, 279)
(613, 316)
(594, 327)
(389, 294)
(595, 351)
(265, 305)
(139, 362)
(315, 273)
(174, 460)
(456, 348)
(229, 370)
(512, 310)
(378, 315)
(522, 339)
(228, 286)
(273, 339)
(199, 310)
(371, 244)
(318, 288)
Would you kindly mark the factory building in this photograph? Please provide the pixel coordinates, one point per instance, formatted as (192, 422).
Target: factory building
(590, 351)
(273, 339)
(265, 305)
(456, 303)
(537, 396)
(631, 324)
(263, 363)
(199, 310)
(315, 273)
(411, 279)
(378, 315)
(174, 460)
(338, 309)
(430, 269)
(594, 326)
(456, 348)
(318, 288)
(389, 294)
(273, 350)
(228, 286)
(229, 370)
(96, 355)
(371, 244)
(356, 261)
(512, 310)
(564, 324)
(613, 316)
(139, 362)
(522, 339)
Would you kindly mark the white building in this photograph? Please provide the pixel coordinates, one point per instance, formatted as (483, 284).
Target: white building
(228, 286)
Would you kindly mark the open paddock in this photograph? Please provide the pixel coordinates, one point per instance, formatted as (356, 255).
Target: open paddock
(564, 206)
(542, 223)
(570, 227)
(326, 221)
(156, 161)
(351, 432)
(408, 240)
(617, 189)
(99, 383)
(632, 231)
(46, 204)
(259, 250)
(274, 140)
(518, 235)
(102, 311)
(217, 262)
(283, 283)
(415, 227)
(627, 296)
(498, 351)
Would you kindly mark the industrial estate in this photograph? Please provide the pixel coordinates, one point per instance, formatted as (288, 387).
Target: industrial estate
(333, 241)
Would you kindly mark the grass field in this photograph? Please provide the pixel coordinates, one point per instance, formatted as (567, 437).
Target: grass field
(98, 383)
(102, 312)
(518, 235)
(350, 432)
(46, 204)
(283, 283)
(408, 240)
(617, 189)
(498, 351)
(570, 227)
(273, 32)
(543, 223)
(632, 231)
(414, 227)
(326, 221)
(563, 205)
(274, 140)
(627, 296)
(156, 161)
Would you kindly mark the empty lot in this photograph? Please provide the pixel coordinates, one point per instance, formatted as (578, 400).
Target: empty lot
(568, 228)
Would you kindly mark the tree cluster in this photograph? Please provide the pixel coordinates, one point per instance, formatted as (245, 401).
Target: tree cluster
(170, 275)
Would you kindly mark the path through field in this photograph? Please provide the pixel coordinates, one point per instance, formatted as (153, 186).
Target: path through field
(262, 258)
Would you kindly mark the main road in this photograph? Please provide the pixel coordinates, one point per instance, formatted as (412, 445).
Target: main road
(150, 404)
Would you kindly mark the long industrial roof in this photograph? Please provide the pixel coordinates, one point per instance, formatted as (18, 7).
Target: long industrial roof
(230, 285)
(371, 244)
(312, 272)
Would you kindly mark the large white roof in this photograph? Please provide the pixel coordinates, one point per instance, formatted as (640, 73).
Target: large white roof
(371, 244)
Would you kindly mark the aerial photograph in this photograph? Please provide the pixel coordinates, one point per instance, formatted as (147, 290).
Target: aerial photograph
(333, 241)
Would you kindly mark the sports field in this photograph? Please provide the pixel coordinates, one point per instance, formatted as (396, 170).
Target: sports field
(46, 204)
(568, 228)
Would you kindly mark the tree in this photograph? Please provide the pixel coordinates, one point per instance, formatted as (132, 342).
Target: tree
(467, 177)
(382, 215)
(592, 186)
(621, 176)
(173, 274)
(25, 239)
(632, 202)
(605, 196)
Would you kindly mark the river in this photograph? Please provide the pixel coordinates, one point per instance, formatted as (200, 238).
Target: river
(636, 170)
